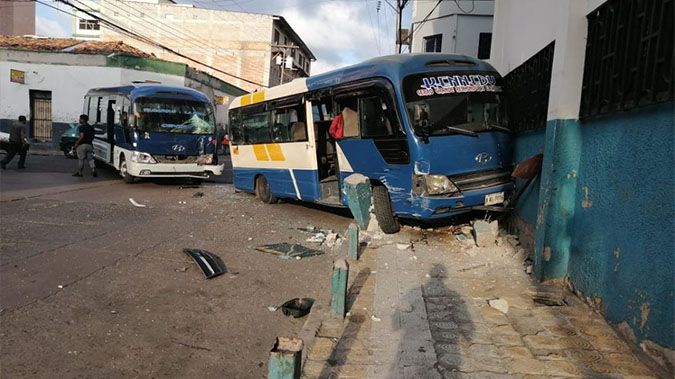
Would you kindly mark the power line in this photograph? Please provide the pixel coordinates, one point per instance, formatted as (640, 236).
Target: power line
(412, 32)
(154, 43)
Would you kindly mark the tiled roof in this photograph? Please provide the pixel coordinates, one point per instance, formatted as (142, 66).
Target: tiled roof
(69, 45)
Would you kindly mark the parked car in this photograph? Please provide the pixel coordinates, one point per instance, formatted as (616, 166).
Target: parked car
(68, 139)
(4, 140)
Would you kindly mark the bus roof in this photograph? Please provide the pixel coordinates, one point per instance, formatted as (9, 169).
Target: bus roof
(136, 91)
(392, 67)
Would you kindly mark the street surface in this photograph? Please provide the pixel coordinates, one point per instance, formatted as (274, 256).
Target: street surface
(93, 286)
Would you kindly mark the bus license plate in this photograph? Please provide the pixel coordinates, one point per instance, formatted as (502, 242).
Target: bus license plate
(494, 198)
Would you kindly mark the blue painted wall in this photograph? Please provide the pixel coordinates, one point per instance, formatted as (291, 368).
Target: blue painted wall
(622, 239)
(526, 145)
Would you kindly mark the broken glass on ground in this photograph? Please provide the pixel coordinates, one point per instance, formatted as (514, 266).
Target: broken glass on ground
(288, 251)
(210, 264)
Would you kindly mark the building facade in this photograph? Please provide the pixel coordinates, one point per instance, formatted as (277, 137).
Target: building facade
(453, 27)
(46, 81)
(17, 18)
(261, 48)
(591, 86)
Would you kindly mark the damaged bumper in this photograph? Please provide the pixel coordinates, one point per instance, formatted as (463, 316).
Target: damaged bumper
(173, 170)
(435, 207)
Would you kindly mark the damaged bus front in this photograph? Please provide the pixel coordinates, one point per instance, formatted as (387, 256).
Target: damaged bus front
(152, 131)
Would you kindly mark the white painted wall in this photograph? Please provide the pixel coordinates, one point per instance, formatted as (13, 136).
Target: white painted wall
(460, 29)
(523, 27)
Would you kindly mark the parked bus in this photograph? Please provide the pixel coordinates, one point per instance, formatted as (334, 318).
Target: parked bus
(152, 131)
(430, 131)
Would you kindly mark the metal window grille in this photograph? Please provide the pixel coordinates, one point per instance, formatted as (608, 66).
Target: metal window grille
(527, 88)
(629, 56)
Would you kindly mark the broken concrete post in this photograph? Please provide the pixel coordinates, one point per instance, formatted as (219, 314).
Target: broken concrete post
(485, 233)
(338, 298)
(285, 358)
(359, 196)
(353, 237)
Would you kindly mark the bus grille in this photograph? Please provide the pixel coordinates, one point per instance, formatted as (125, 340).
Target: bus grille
(483, 179)
(175, 159)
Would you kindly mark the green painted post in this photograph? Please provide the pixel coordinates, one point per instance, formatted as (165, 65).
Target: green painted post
(353, 237)
(359, 197)
(285, 359)
(338, 299)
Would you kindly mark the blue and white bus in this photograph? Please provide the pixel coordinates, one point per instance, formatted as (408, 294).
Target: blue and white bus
(430, 131)
(153, 131)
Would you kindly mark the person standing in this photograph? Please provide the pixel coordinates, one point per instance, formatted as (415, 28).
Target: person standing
(17, 144)
(84, 146)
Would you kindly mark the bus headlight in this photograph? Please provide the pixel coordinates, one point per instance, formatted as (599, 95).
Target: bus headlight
(139, 157)
(205, 159)
(439, 185)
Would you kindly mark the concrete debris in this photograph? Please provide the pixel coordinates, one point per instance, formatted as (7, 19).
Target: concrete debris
(460, 237)
(136, 204)
(485, 233)
(317, 238)
(198, 194)
(376, 319)
(549, 295)
(500, 305)
(403, 246)
(528, 269)
(272, 308)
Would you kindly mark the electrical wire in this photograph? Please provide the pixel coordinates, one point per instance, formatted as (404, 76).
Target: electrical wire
(473, 6)
(422, 22)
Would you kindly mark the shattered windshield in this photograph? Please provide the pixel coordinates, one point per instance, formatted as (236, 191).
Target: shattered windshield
(455, 104)
(174, 116)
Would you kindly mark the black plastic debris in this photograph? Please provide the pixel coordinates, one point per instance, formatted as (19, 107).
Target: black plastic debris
(289, 251)
(297, 307)
(198, 194)
(210, 263)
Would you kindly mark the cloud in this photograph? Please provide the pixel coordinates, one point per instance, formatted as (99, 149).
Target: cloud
(49, 28)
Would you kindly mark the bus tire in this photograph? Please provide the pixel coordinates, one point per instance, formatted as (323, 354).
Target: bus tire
(128, 178)
(383, 211)
(263, 191)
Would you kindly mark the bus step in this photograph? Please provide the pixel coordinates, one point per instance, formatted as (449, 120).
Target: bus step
(330, 189)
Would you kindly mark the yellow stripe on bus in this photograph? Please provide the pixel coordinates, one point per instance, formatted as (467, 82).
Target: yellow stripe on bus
(246, 100)
(275, 152)
(260, 153)
(257, 97)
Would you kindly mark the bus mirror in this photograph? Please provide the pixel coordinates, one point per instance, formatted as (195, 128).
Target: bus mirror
(421, 121)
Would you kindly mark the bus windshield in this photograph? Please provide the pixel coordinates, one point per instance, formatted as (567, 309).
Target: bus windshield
(448, 105)
(174, 116)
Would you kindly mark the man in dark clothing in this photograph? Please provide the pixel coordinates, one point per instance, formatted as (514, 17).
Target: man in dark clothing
(17, 144)
(84, 146)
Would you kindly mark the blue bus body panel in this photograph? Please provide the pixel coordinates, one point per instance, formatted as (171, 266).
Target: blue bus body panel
(280, 182)
(457, 154)
(164, 143)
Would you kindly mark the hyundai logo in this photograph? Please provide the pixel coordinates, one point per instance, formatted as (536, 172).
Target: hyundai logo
(178, 148)
(483, 158)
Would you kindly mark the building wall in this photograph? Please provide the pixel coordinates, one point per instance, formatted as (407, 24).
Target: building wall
(602, 212)
(17, 18)
(460, 30)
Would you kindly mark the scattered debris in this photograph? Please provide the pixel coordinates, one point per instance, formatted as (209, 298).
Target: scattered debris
(288, 251)
(198, 194)
(60, 286)
(460, 237)
(182, 202)
(500, 305)
(403, 246)
(472, 267)
(210, 263)
(136, 204)
(376, 319)
(188, 186)
(317, 238)
(181, 269)
(113, 312)
(272, 308)
(549, 295)
(332, 239)
(528, 269)
(485, 233)
(297, 307)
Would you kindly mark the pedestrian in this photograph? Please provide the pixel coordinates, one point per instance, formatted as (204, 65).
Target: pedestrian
(17, 144)
(84, 146)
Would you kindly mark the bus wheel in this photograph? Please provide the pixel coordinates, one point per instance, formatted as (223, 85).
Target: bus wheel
(262, 190)
(123, 171)
(383, 212)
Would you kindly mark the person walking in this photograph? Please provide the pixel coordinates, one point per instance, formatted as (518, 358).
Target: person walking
(84, 146)
(17, 144)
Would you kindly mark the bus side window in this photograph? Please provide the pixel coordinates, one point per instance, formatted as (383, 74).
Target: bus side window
(348, 108)
(289, 124)
(236, 131)
(374, 117)
(93, 111)
(256, 125)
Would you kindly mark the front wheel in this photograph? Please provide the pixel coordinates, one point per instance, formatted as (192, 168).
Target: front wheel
(263, 191)
(128, 178)
(383, 212)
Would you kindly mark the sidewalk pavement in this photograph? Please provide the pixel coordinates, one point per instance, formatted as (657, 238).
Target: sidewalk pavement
(420, 310)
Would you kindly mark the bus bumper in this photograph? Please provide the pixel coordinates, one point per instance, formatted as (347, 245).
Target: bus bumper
(427, 207)
(171, 170)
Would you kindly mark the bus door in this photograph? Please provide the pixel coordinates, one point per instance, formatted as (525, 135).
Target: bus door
(326, 154)
(374, 143)
(102, 110)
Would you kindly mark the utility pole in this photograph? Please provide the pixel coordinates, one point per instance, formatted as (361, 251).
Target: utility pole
(400, 4)
(284, 56)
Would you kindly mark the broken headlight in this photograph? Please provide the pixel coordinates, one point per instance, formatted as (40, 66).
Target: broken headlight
(139, 157)
(205, 159)
(439, 185)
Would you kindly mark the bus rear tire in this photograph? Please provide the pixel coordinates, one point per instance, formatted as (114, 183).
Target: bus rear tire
(263, 192)
(128, 178)
(383, 211)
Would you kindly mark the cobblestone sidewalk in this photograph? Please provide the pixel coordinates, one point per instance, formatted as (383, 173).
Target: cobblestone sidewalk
(422, 312)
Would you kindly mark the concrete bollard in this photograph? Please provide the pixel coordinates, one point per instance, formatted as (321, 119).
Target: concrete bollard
(338, 298)
(285, 359)
(359, 195)
(353, 237)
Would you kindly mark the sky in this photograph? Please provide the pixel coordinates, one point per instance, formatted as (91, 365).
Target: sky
(339, 32)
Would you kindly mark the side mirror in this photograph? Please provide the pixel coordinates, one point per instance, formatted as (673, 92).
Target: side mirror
(421, 121)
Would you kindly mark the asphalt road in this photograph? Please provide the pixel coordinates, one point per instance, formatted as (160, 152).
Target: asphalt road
(93, 286)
